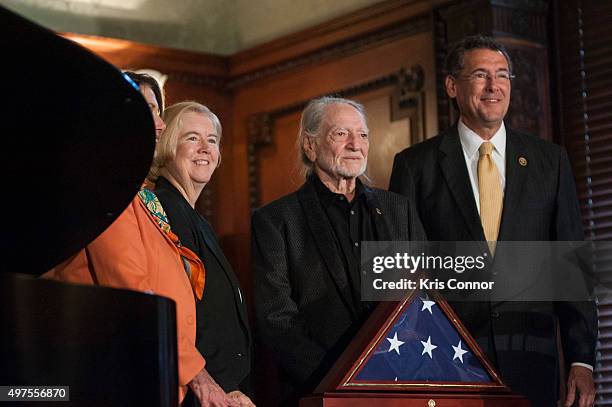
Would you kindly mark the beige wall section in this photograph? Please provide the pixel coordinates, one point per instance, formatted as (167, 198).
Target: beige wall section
(260, 21)
(220, 27)
(386, 139)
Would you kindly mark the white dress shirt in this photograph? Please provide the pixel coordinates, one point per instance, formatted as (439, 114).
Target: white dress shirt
(470, 143)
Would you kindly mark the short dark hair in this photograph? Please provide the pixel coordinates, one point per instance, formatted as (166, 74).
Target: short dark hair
(148, 80)
(455, 59)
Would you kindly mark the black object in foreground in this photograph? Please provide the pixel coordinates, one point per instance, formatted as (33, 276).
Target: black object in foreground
(110, 347)
(77, 143)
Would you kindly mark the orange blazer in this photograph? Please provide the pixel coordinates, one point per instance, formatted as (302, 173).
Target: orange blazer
(134, 253)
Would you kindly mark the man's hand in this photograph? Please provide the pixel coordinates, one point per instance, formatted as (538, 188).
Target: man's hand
(209, 392)
(580, 379)
(238, 396)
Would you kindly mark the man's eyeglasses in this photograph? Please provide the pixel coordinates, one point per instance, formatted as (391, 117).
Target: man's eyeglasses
(482, 77)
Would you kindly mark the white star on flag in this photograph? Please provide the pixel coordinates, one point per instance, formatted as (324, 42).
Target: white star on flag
(395, 343)
(427, 305)
(428, 347)
(459, 352)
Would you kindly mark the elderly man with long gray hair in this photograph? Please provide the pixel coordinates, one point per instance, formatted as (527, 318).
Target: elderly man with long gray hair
(306, 246)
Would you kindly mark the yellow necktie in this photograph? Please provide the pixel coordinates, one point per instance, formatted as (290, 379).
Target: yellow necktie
(491, 194)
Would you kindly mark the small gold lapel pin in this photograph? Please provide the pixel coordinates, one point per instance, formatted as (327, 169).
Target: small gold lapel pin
(523, 161)
(378, 211)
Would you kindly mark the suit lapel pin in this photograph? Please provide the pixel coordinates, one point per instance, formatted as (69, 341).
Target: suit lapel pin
(378, 211)
(523, 161)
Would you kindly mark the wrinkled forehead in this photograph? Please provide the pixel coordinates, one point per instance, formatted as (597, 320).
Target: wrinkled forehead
(343, 115)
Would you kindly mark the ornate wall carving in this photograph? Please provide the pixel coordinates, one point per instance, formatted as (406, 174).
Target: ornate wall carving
(411, 26)
(528, 113)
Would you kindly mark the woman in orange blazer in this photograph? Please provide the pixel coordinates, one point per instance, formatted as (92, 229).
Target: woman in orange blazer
(140, 252)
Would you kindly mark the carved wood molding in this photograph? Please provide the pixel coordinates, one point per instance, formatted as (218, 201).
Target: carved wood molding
(411, 26)
(516, 18)
(407, 101)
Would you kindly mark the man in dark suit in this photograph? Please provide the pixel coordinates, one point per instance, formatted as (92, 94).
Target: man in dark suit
(480, 180)
(306, 246)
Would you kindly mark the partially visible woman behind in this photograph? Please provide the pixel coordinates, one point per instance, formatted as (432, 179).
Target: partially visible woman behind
(139, 251)
(187, 156)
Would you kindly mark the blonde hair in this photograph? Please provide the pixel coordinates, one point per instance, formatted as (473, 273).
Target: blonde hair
(165, 150)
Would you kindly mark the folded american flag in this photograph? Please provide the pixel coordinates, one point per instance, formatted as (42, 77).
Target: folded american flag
(423, 346)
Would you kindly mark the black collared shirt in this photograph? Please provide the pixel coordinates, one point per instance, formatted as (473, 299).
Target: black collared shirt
(352, 222)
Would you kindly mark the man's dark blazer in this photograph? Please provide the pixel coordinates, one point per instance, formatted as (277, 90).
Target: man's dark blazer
(303, 302)
(540, 204)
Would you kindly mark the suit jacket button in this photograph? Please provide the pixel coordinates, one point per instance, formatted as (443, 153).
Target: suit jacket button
(239, 355)
(495, 314)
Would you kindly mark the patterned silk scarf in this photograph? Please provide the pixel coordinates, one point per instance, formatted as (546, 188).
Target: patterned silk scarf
(193, 265)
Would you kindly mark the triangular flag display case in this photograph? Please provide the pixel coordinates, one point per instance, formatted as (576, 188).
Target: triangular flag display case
(413, 353)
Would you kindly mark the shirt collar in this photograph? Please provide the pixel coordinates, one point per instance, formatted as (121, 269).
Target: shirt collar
(470, 141)
(327, 196)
